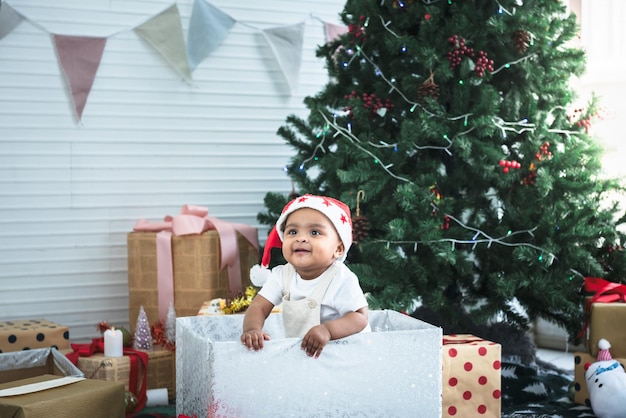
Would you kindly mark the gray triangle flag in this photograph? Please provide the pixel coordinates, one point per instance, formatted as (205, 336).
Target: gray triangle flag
(286, 43)
(9, 19)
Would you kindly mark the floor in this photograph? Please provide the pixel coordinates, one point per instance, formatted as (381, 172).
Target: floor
(561, 359)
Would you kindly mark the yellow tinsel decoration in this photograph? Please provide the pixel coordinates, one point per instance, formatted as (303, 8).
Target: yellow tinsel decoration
(241, 303)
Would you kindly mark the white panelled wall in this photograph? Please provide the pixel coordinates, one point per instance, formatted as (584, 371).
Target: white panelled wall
(148, 143)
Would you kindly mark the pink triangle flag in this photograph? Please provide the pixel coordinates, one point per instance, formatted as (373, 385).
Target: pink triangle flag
(165, 33)
(333, 31)
(9, 19)
(286, 43)
(79, 57)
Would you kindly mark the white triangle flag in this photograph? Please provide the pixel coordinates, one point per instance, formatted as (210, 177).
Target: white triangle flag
(286, 44)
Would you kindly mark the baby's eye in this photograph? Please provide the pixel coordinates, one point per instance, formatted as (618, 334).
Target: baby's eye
(291, 232)
(315, 232)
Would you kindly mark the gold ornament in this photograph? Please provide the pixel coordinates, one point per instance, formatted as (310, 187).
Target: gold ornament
(241, 303)
(131, 402)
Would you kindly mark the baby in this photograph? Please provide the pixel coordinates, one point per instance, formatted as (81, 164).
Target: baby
(322, 299)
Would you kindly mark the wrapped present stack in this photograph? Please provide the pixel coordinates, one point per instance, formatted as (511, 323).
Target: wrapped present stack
(606, 314)
(144, 362)
(42, 382)
(471, 377)
(186, 260)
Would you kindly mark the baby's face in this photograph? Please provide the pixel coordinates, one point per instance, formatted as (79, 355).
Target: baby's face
(310, 243)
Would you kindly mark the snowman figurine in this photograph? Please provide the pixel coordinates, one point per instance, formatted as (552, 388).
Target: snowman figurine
(606, 382)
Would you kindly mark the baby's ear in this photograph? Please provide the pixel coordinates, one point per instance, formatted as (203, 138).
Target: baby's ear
(340, 250)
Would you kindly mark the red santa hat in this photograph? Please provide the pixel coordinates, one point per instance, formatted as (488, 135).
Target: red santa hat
(336, 211)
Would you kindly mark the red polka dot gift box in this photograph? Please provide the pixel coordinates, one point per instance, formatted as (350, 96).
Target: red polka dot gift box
(471, 377)
(28, 334)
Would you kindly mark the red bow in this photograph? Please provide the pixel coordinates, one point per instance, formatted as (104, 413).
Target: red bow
(136, 357)
(603, 291)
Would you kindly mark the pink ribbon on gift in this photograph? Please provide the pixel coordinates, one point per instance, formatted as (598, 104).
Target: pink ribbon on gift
(195, 220)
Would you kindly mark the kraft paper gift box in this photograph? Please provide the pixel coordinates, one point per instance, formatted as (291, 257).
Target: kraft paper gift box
(28, 334)
(581, 393)
(394, 371)
(471, 377)
(161, 370)
(205, 263)
(81, 398)
(607, 321)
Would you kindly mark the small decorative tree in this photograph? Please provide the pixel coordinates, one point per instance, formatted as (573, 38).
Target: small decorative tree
(143, 337)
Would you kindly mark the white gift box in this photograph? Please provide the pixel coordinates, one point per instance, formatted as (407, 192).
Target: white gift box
(394, 371)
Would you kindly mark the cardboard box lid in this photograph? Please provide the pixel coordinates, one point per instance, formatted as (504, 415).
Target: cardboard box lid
(30, 363)
(93, 398)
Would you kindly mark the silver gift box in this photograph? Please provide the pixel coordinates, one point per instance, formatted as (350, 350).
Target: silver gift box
(394, 371)
(31, 363)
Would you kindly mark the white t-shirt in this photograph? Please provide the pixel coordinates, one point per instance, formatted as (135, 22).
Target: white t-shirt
(344, 293)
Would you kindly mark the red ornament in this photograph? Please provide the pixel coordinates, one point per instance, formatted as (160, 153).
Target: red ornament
(507, 165)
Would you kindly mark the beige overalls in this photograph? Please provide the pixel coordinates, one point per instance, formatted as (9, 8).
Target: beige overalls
(301, 315)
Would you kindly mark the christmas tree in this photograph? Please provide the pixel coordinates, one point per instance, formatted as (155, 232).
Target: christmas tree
(480, 188)
(143, 336)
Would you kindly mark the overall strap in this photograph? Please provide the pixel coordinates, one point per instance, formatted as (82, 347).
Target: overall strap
(318, 293)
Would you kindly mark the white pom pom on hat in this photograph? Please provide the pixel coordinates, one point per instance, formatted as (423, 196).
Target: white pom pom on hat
(603, 352)
(336, 211)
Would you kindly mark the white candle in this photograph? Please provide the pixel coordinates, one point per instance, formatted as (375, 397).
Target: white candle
(113, 343)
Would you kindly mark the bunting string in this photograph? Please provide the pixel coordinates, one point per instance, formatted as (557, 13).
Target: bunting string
(79, 56)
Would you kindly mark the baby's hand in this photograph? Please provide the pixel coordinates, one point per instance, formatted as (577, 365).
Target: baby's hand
(253, 339)
(315, 340)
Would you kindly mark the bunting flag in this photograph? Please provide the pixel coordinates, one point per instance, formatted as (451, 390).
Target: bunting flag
(334, 31)
(208, 27)
(165, 33)
(79, 57)
(9, 19)
(286, 44)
